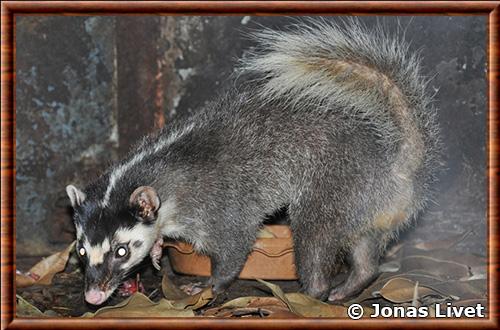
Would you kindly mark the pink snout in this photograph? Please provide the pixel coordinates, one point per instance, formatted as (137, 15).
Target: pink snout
(95, 297)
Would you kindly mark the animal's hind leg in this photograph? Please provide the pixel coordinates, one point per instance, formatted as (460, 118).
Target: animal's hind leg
(364, 260)
(316, 253)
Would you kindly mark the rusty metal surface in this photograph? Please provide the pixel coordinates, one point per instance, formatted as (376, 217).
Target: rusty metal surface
(88, 87)
(66, 119)
(139, 78)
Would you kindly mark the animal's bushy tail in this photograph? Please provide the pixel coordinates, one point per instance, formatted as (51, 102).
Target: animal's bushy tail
(367, 74)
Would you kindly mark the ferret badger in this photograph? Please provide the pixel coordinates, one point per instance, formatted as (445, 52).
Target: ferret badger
(332, 122)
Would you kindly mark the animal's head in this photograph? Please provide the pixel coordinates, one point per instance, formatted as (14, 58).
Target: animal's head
(111, 240)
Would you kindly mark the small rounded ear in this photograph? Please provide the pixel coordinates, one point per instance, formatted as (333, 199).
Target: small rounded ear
(147, 200)
(76, 196)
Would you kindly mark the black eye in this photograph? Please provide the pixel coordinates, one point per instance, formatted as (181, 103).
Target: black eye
(81, 251)
(121, 251)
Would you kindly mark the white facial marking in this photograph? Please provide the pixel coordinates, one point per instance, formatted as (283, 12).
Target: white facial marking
(120, 170)
(147, 234)
(96, 252)
(82, 251)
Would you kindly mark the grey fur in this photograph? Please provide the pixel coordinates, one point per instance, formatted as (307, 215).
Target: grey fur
(334, 123)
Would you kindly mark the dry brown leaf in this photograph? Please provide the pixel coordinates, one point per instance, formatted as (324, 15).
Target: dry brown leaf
(265, 311)
(217, 312)
(195, 301)
(266, 301)
(366, 294)
(239, 302)
(181, 300)
(445, 264)
(443, 269)
(44, 271)
(138, 305)
(304, 305)
(310, 307)
(401, 290)
(25, 309)
(448, 255)
(170, 291)
(252, 302)
(475, 289)
(269, 311)
(450, 289)
(269, 307)
(443, 243)
(278, 293)
(373, 290)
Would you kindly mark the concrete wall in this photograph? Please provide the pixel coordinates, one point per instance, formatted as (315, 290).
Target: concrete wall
(88, 87)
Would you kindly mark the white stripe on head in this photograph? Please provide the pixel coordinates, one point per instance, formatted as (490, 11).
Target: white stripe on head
(96, 252)
(118, 172)
(79, 231)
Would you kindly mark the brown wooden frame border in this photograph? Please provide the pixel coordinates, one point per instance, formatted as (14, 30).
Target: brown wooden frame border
(12, 8)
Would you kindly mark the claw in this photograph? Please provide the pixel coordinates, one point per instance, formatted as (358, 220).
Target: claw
(156, 252)
(156, 264)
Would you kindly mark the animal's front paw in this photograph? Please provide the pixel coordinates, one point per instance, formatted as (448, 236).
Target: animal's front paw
(156, 253)
(336, 295)
(343, 293)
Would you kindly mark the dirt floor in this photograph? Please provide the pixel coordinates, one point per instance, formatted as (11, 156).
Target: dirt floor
(64, 297)
(415, 275)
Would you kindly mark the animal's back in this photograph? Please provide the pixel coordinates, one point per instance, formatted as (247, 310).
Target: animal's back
(344, 121)
(333, 123)
(359, 79)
